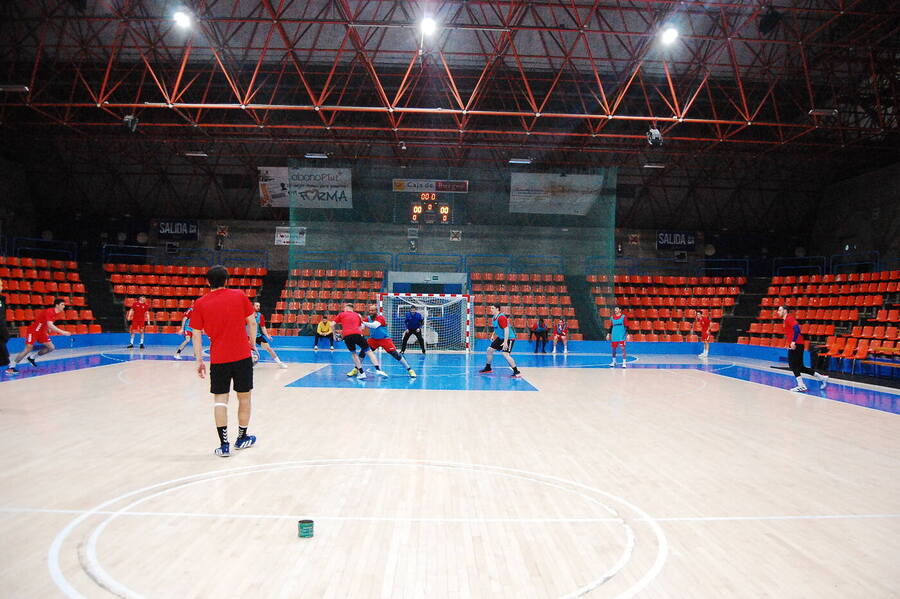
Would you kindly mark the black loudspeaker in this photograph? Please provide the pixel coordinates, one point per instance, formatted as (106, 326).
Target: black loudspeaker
(769, 21)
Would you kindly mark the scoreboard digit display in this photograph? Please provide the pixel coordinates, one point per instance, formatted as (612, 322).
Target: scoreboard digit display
(429, 208)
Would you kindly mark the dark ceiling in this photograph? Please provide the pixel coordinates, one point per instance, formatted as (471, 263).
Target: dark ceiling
(749, 115)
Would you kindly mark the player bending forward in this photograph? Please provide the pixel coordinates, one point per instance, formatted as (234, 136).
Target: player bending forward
(39, 333)
(263, 339)
(350, 324)
(618, 334)
(380, 337)
(502, 339)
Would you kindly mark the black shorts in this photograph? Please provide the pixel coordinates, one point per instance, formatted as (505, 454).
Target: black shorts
(354, 341)
(260, 340)
(221, 376)
(498, 344)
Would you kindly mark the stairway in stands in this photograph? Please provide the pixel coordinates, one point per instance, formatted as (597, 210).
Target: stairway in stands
(585, 310)
(270, 293)
(745, 310)
(100, 299)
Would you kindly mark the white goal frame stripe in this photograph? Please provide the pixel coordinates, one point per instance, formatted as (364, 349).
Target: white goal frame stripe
(466, 296)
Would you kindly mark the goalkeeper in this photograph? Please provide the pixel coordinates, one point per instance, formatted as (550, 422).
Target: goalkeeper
(414, 322)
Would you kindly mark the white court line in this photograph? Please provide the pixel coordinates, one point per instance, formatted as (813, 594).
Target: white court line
(93, 567)
(439, 519)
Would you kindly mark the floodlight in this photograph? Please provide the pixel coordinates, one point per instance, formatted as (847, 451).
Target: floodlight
(668, 36)
(182, 19)
(428, 26)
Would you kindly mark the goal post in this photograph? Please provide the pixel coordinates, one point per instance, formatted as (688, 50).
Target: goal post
(447, 318)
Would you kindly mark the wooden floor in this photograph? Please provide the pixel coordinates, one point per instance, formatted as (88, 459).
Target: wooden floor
(603, 483)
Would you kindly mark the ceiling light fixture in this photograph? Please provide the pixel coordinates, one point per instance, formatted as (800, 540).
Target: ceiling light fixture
(668, 36)
(520, 160)
(316, 155)
(182, 19)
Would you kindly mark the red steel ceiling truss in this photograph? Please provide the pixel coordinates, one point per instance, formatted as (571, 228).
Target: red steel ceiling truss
(564, 82)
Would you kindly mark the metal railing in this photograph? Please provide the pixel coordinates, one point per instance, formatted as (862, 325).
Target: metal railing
(845, 263)
(808, 265)
(725, 266)
(445, 262)
(42, 248)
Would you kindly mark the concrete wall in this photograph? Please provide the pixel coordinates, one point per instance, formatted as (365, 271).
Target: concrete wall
(863, 211)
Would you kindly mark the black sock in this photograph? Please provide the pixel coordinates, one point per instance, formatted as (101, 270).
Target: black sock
(223, 434)
(242, 432)
(515, 370)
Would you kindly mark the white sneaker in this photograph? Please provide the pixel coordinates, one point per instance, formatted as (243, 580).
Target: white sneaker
(823, 380)
(315, 348)
(799, 388)
(624, 364)
(177, 356)
(612, 364)
(701, 355)
(361, 376)
(565, 351)
(281, 364)
(554, 351)
(381, 373)
(332, 349)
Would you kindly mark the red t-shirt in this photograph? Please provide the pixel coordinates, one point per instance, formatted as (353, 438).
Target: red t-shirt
(222, 315)
(262, 322)
(789, 323)
(351, 323)
(502, 321)
(44, 318)
(704, 323)
(140, 312)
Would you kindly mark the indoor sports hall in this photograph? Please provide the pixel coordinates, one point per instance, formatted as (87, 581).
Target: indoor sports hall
(463, 298)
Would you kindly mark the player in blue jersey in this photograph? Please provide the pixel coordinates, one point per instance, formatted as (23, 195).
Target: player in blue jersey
(263, 338)
(380, 337)
(502, 339)
(186, 331)
(618, 334)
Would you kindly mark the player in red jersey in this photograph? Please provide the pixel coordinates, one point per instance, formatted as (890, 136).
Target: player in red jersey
(351, 325)
(39, 333)
(226, 316)
(380, 337)
(561, 333)
(795, 342)
(139, 315)
(702, 324)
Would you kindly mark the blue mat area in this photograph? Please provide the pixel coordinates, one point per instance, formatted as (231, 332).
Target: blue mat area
(433, 378)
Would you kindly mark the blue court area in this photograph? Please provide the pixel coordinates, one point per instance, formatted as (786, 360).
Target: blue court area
(432, 378)
(459, 372)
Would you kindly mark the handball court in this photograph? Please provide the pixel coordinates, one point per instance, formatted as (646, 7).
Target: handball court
(675, 477)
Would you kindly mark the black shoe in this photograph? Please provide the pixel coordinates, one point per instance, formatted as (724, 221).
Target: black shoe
(33, 363)
(486, 369)
(142, 346)
(516, 372)
(130, 346)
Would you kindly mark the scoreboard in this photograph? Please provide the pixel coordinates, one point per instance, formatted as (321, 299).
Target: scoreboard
(430, 208)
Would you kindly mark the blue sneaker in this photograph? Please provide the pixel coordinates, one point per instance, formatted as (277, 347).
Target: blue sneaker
(245, 442)
(224, 450)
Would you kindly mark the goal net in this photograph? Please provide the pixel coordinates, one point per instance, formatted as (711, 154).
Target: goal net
(446, 326)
